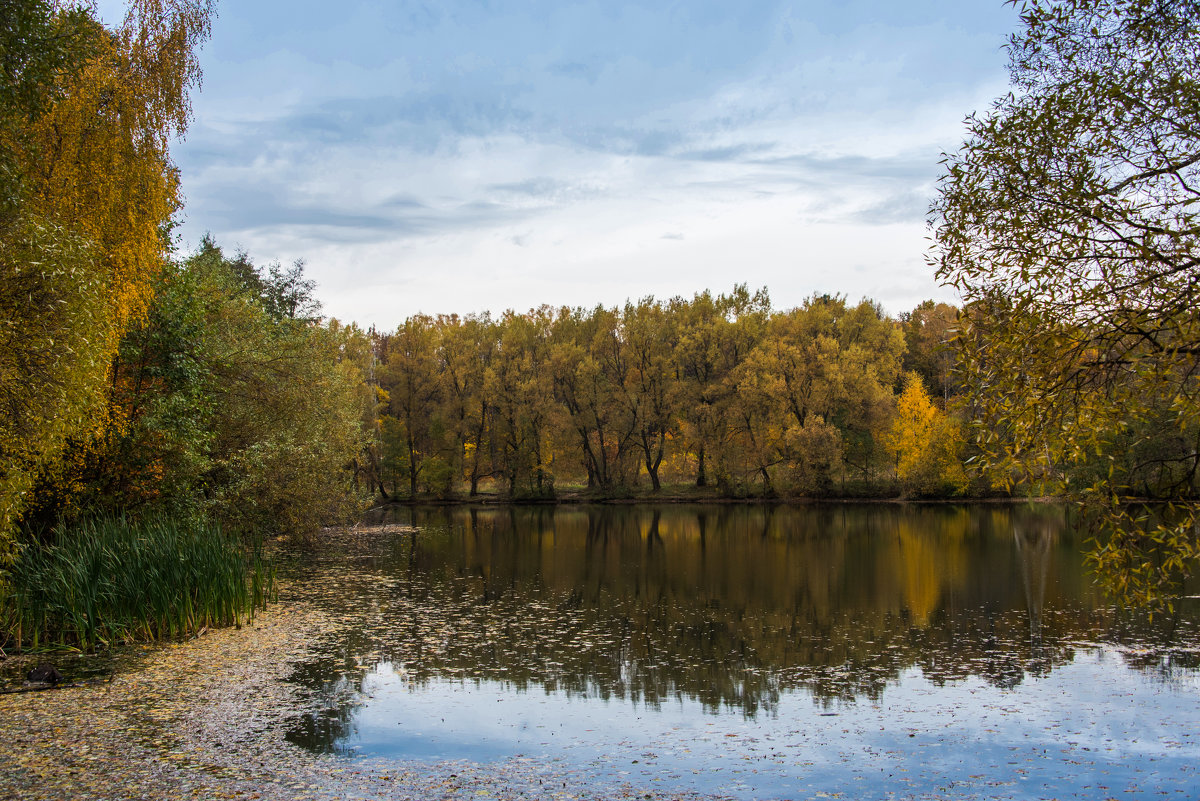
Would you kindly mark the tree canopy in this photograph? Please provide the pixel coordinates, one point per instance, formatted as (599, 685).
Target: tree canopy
(1070, 222)
(715, 390)
(87, 192)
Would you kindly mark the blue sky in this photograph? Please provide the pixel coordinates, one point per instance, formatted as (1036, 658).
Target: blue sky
(459, 156)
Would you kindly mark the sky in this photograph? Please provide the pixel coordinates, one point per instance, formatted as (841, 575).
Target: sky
(462, 156)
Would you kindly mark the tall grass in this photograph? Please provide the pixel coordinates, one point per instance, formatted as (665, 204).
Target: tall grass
(109, 581)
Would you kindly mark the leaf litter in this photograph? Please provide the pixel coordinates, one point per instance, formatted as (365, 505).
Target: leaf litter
(206, 718)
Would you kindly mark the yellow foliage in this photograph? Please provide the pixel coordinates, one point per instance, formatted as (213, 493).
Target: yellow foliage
(925, 442)
(87, 236)
(96, 162)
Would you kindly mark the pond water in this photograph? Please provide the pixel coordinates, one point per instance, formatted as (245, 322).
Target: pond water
(754, 652)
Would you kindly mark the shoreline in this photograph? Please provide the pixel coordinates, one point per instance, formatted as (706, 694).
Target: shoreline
(574, 498)
(208, 717)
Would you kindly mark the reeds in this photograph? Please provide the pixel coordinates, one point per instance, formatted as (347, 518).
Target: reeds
(110, 581)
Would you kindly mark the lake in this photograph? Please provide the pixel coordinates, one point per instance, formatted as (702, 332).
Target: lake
(752, 651)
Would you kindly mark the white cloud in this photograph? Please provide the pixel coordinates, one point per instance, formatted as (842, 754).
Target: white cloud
(412, 186)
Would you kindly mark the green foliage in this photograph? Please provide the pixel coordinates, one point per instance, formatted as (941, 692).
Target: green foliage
(112, 580)
(224, 410)
(1068, 221)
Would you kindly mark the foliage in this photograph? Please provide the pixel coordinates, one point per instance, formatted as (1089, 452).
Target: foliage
(86, 191)
(926, 443)
(284, 410)
(224, 410)
(823, 377)
(1069, 223)
(53, 356)
(111, 580)
(716, 389)
(929, 333)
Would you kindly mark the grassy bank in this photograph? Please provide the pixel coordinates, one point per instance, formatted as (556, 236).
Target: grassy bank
(109, 581)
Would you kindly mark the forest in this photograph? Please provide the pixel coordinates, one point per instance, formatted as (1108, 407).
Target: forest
(139, 383)
(717, 391)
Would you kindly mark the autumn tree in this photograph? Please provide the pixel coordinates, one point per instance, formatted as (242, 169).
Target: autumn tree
(871, 350)
(1068, 221)
(925, 442)
(652, 390)
(589, 361)
(519, 386)
(715, 335)
(87, 189)
(819, 384)
(929, 333)
(413, 428)
(466, 349)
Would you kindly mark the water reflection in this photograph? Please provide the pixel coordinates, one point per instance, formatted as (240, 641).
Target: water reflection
(731, 608)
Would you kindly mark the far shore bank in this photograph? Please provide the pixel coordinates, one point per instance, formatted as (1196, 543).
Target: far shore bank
(582, 497)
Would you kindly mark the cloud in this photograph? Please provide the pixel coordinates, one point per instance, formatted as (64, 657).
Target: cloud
(538, 188)
(585, 151)
(911, 206)
(239, 207)
(905, 167)
(739, 152)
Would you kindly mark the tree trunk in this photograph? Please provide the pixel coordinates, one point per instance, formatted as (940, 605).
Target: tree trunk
(653, 471)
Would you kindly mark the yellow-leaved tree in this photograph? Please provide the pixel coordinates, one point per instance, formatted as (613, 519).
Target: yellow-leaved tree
(926, 443)
(87, 193)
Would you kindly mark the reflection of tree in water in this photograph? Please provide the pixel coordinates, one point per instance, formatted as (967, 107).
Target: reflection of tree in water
(333, 709)
(728, 605)
(1035, 536)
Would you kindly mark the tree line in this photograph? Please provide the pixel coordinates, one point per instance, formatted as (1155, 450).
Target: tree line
(719, 391)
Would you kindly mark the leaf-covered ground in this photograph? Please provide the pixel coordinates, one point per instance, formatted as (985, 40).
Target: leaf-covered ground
(206, 718)
(198, 720)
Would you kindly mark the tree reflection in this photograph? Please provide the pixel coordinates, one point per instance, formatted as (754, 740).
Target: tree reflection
(727, 605)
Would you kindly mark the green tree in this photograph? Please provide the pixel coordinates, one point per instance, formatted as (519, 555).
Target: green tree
(223, 410)
(1069, 222)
